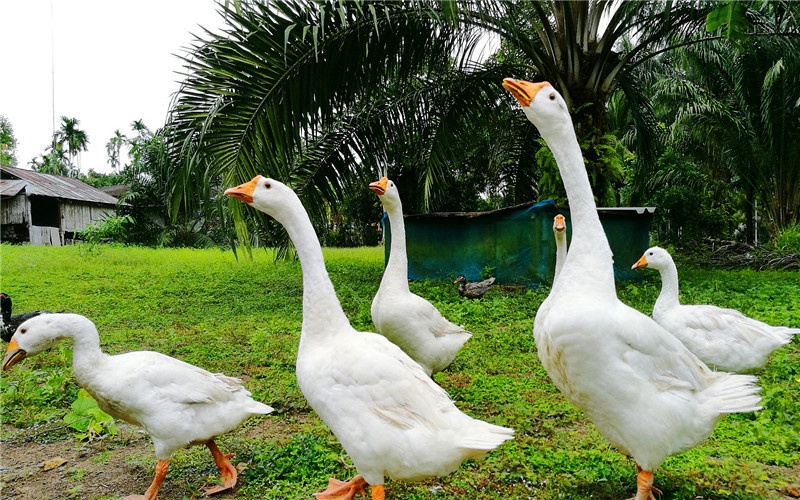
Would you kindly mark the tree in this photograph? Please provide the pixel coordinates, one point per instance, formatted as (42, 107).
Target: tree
(8, 143)
(327, 94)
(114, 149)
(74, 139)
(734, 110)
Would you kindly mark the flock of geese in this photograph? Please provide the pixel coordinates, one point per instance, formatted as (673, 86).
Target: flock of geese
(652, 386)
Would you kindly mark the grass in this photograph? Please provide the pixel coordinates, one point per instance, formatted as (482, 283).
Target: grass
(243, 318)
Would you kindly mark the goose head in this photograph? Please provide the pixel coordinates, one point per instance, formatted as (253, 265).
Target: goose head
(266, 195)
(654, 257)
(559, 224)
(386, 191)
(40, 333)
(540, 102)
(460, 279)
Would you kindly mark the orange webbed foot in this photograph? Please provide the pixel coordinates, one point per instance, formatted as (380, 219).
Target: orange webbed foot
(342, 490)
(644, 485)
(227, 472)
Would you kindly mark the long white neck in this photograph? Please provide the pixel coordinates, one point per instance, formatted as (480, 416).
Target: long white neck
(322, 312)
(86, 353)
(396, 273)
(561, 253)
(668, 298)
(589, 260)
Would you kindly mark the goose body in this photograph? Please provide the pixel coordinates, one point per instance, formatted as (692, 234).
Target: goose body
(639, 385)
(560, 235)
(403, 317)
(387, 413)
(724, 339)
(474, 290)
(177, 403)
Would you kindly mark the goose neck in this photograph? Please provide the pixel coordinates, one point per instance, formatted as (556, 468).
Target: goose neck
(86, 354)
(668, 297)
(322, 311)
(397, 266)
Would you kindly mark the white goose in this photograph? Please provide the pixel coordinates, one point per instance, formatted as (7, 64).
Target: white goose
(388, 414)
(647, 394)
(560, 234)
(178, 404)
(724, 339)
(403, 317)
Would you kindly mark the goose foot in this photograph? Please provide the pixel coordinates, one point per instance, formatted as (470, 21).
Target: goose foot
(343, 490)
(227, 472)
(644, 485)
(152, 492)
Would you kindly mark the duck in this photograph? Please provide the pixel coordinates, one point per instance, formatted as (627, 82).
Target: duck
(11, 322)
(175, 402)
(388, 414)
(724, 339)
(647, 394)
(560, 235)
(403, 317)
(474, 290)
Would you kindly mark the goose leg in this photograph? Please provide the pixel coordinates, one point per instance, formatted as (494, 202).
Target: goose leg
(644, 485)
(152, 491)
(228, 474)
(344, 490)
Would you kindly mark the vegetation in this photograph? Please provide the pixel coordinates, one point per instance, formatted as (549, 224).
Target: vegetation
(243, 318)
(8, 144)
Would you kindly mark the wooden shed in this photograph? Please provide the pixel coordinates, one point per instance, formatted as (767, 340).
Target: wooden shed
(48, 209)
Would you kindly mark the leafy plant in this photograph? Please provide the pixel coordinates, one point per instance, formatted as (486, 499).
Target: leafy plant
(111, 228)
(88, 419)
(788, 240)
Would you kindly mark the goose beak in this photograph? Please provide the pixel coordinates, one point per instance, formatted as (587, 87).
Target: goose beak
(379, 187)
(524, 91)
(13, 354)
(244, 191)
(642, 262)
(560, 223)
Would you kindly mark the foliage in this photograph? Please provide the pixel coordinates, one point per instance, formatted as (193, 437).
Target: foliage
(243, 318)
(88, 419)
(788, 240)
(8, 144)
(112, 228)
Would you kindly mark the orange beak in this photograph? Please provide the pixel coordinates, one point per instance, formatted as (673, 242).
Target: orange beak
(379, 187)
(13, 354)
(524, 91)
(560, 223)
(642, 262)
(244, 191)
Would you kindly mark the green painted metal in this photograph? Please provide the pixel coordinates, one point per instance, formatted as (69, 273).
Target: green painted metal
(515, 245)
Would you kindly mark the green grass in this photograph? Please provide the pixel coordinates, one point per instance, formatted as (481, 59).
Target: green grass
(243, 318)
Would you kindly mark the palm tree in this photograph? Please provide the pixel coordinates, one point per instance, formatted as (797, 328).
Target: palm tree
(328, 94)
(735, 110)
(114, 149)
(75, 140)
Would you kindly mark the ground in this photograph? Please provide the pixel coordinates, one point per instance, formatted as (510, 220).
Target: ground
(103, 469)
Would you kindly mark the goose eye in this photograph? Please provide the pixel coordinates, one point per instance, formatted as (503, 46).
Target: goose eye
(23, 330)
(552, 96)
(267, 185)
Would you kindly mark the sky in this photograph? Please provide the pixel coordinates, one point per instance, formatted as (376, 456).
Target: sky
(112, 62)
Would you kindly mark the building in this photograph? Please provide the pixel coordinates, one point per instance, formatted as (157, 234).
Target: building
(46, 209)
(515, 245)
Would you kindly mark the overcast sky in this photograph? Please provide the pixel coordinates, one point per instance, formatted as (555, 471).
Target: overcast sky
(114, 62)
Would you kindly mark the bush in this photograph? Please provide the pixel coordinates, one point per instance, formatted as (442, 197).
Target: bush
(788, 240)
(110, 228)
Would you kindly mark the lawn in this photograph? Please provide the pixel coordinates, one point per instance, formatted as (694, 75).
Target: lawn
(242, 317)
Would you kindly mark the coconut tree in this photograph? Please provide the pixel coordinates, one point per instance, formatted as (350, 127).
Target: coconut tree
(114, 149)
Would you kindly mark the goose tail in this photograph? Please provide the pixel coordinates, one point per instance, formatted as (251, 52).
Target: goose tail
(734, 393)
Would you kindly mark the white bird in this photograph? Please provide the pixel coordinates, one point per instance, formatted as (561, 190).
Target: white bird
(387, 413)
(560, 234)
(724, 339)
(639, 385)
(408, 320)
(178, 404)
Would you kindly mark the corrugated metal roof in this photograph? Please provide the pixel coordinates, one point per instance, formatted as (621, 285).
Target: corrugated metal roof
(53, 186)
(11, 187)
